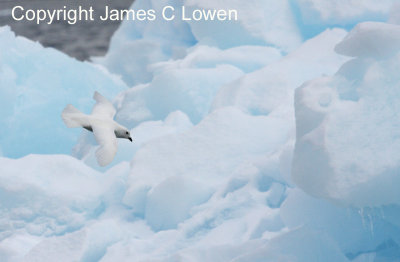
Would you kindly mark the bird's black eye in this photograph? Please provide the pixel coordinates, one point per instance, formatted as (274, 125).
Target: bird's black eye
(127, 132)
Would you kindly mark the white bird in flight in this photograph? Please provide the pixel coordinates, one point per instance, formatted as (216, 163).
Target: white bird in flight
(101, 123)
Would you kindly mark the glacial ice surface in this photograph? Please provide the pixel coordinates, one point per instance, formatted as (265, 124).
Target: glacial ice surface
(268, 145)
(36, 84)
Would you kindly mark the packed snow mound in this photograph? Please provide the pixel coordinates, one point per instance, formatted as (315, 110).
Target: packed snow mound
(259, 23)
(343, 12)
(34, 92)
(50, 196)
(271, 87)
(315, 16)
(190, 84)
(87, 244)
(296, 245)
(347, 125)
(189, 90)
(169, 202)
(137, 45)
(54, 195)
(247, 58)
(371, 39)
(216, 153)
(394, 17)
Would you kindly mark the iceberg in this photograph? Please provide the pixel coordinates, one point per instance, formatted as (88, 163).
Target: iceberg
(314, 16)
(256, 25)
(344, 160)
(215, 138)
(264, 139)
(54, 195)
(160, 41)
(34, 91)
(371, 39)
(174, 89)
(271, 88)
(345, 122)
(137, 45)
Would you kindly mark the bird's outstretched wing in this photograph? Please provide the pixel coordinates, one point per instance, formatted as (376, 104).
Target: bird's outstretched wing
(103, 106)
(108, 144)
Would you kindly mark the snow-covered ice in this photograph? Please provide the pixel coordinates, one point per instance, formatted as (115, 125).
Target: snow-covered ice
(271, 138)
(347, 124)
(36, 84)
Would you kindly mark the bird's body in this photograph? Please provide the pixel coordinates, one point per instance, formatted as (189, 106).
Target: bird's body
(102, 124)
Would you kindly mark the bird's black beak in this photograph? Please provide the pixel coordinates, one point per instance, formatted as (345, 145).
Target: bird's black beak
(130, 138)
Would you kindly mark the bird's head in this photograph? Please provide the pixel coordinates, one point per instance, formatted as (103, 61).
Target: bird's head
(123, 133)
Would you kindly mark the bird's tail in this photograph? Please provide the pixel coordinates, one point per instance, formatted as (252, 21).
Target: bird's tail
(72, 117)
